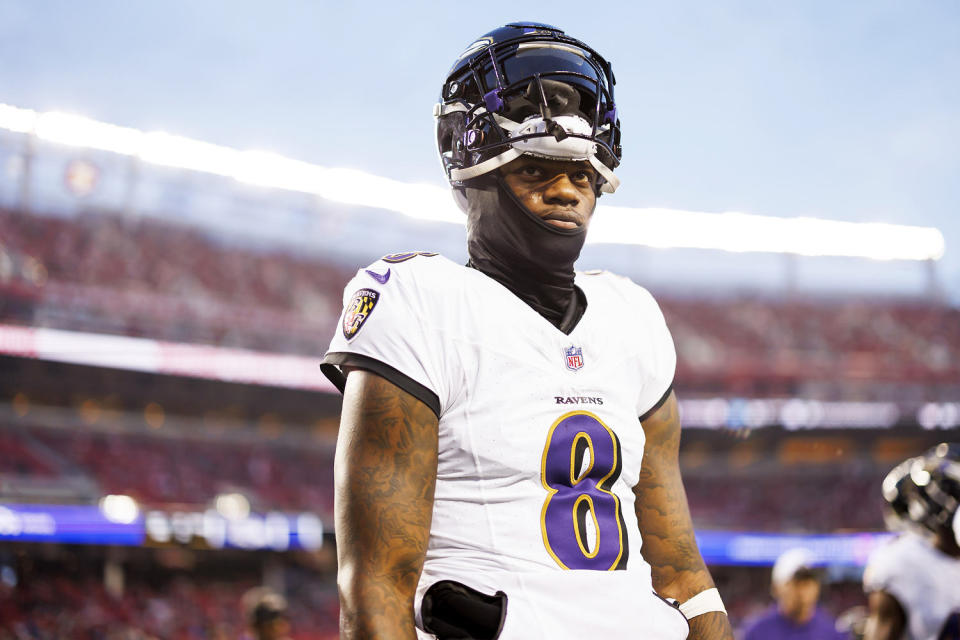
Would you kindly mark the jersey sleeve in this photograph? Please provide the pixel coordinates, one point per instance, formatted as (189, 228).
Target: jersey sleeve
(885, 571)
(878, 574)
(657, 358)
(383, 328)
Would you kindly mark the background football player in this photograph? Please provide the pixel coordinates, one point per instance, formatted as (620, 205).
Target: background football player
(266, 613)
(492, 476)
(913, 583)
(795, 586)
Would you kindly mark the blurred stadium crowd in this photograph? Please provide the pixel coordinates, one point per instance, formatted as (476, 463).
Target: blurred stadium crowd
(141, 277)
(71, 434)
(64, 595)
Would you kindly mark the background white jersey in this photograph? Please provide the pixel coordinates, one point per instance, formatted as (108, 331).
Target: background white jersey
(925, 582)
(539, 439)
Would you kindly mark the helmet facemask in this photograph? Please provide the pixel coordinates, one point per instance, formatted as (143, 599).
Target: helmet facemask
(898, 491)
(933, 497)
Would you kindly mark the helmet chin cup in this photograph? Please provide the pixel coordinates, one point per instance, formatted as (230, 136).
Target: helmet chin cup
(560, 138)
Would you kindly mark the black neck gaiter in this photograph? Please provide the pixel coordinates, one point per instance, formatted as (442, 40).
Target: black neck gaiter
(526, 255)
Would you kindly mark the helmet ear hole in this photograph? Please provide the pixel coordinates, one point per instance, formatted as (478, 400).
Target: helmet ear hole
(473, 138)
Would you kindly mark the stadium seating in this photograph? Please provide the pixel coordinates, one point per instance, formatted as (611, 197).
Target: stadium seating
(171, 469)
(775, 346)
(140, 277)
(16, 458)
(73, 602)
(143, 278)
(181, 470)
(804, 503)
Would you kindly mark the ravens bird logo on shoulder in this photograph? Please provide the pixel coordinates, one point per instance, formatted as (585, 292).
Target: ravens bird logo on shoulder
(359, 309)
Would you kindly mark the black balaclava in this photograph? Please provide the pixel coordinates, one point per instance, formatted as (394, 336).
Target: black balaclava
(511, 244)
(531, 258)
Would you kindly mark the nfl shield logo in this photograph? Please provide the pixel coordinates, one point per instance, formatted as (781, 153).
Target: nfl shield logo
(574, 358)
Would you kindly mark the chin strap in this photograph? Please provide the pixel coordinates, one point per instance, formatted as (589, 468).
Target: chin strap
(703, 602)
(611, 181)
(477, 170)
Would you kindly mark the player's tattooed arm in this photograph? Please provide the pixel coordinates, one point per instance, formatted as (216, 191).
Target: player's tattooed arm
(664, 518)
(886, 620)
(385, 473)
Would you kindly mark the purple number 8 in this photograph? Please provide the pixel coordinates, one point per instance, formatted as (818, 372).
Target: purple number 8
(581, 461)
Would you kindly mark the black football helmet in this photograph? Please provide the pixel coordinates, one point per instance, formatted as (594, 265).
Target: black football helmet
(937, 479)
(527, 88)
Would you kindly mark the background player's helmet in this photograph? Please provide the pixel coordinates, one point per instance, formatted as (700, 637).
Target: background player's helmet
(527, 88)
(898, 491)
(937, 497)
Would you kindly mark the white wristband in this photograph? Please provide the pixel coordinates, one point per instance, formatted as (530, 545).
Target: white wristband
(703, 602)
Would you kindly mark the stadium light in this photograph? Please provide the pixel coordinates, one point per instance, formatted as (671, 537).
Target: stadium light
(118, 508)
(741, 232)
(77, 131)
(933, 415)
(652, 227)
(17, 120)
(232, 506)
(178, 152)
(310, 531)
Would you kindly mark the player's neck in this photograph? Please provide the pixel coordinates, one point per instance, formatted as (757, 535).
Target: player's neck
(514, 247)
(947, 544)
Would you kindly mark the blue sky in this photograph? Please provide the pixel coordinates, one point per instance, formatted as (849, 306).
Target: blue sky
(837, 110)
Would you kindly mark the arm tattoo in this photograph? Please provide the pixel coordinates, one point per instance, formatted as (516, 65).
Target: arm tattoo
(711, 625)
(385, 473)
(669, 545)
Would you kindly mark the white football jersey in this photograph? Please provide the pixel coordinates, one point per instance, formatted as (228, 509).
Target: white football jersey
(539, 439)
(925, 582)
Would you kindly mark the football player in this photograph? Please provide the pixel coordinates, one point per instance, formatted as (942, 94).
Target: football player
(507, 463)
(266, 612)
(913, 582)
(795, 614)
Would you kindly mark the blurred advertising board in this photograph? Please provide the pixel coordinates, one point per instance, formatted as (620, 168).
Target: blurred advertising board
(278, 531)
(68, 524)
(93, 524)
(209, 529)
(762, 549)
